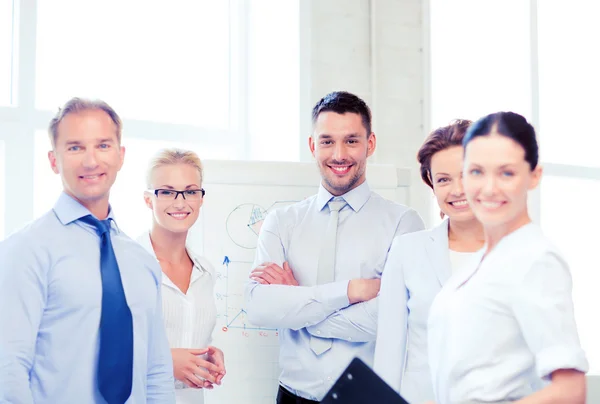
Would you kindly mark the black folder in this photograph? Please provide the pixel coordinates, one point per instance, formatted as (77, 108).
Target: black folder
(360, 385)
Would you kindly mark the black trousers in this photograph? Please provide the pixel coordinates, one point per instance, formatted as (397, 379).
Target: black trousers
(286, 397)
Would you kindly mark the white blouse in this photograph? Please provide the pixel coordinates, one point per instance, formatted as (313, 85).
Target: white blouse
(458, 260)
(498, 329)
(189, 318)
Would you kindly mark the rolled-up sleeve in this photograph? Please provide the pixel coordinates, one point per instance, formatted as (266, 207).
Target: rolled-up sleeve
(543, 306)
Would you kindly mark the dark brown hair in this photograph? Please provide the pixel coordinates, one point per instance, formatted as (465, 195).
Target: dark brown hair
(438, 140)
(342, 102)
(511, 125)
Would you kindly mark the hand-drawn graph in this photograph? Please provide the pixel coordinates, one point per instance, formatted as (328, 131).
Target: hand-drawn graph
(243, 226)
(234, 316)
(244, 222)
(251, 351)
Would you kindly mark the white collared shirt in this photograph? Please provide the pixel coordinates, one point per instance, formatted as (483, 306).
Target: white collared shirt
(500, 327)
(189, 318)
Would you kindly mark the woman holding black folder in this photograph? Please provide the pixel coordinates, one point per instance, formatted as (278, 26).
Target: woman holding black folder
(503, 330)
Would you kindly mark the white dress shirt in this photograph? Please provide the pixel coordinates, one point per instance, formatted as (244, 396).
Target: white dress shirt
(367, 226)
(190, 317)
(498, 329)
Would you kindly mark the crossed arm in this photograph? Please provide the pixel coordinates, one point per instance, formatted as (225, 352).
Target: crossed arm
(356, 321)
(349, 313)
(274, 299)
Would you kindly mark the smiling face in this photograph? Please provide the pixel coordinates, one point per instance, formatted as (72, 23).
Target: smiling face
(446, 177)
(175, 215)
(88, 156)
(341, 146)
(497, 179)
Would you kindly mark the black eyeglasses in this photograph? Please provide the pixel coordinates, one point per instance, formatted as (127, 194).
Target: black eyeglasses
(188, 194)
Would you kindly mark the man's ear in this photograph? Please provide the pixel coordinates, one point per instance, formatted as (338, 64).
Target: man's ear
(371, 143)
(52, 160)
(122, 156)
(311, 145)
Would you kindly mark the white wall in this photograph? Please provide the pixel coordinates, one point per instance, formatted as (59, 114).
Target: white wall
(375, 50)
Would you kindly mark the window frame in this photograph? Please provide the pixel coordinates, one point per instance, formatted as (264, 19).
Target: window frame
(550, 169)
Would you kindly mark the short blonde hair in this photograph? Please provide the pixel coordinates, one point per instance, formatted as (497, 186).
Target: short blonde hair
(165, 157)
(76, 105)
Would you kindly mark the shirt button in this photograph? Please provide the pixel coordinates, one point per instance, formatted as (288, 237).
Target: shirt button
(329, 378)
(318, 332)
(349, 338)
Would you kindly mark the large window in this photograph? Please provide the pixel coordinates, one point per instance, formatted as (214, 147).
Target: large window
(159, 61)
(8, 14)
(218, 77)
(480, 58)
(569, 62)
(271, 115)
(477, 65)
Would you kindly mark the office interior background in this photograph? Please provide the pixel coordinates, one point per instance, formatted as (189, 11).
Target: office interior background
(236, 80)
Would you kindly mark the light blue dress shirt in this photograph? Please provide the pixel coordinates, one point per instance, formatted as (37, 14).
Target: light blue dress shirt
(367, 226)
(50, 304)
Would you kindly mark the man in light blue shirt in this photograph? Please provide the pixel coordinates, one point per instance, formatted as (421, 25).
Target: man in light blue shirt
(326, 313)
(72, 276)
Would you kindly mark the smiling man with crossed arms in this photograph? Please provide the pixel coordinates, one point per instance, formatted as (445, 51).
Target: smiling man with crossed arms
(318, 262)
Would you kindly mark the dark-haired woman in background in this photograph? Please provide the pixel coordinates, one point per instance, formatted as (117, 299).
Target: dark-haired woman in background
(503, 330)
(419, 264)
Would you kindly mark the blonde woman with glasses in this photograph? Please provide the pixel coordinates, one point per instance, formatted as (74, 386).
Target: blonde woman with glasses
(175, 196)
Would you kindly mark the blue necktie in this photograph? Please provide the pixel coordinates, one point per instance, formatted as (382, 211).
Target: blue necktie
(115, 359)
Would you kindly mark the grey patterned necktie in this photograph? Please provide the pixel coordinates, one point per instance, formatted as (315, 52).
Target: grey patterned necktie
(326, 266)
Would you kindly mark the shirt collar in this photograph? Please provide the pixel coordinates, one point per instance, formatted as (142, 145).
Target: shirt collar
(356, 197)
(146, 242)
(68, 210)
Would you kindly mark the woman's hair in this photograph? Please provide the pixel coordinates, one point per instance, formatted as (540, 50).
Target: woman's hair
(438, 140)
(511, 125)
(173, 156)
